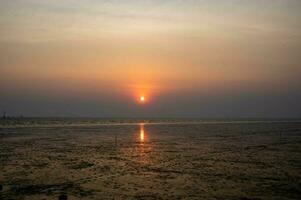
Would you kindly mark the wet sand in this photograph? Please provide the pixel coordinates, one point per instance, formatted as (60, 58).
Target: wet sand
(152, 161)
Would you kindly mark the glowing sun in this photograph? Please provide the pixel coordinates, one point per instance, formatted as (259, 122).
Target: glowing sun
(142, 99)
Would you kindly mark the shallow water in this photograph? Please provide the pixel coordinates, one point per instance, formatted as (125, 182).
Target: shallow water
(167, 159)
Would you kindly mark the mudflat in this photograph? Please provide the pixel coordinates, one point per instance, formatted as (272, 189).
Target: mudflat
(214, 160)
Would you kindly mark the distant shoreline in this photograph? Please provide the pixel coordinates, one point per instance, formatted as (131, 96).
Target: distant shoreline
(78, 122)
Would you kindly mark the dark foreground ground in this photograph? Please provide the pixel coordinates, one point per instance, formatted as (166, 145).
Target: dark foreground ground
(152, 161)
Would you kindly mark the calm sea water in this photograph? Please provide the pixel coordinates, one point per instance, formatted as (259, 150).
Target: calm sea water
(150, 159)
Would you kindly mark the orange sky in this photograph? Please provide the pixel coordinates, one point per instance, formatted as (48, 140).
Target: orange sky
(152, 48)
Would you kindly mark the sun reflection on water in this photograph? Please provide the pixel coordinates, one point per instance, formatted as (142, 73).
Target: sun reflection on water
(142, 132)
(144, 146)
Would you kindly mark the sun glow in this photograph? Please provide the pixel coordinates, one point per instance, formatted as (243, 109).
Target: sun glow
(142, 99)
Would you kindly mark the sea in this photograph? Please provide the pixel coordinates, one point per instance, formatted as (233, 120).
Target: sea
(155, 158)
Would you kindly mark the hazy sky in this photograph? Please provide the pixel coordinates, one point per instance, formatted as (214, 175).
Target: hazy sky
(189, 58)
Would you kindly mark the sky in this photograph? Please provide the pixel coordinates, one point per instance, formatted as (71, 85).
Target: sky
(188, 58)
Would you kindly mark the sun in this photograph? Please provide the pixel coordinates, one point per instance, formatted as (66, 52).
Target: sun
(142, 99)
